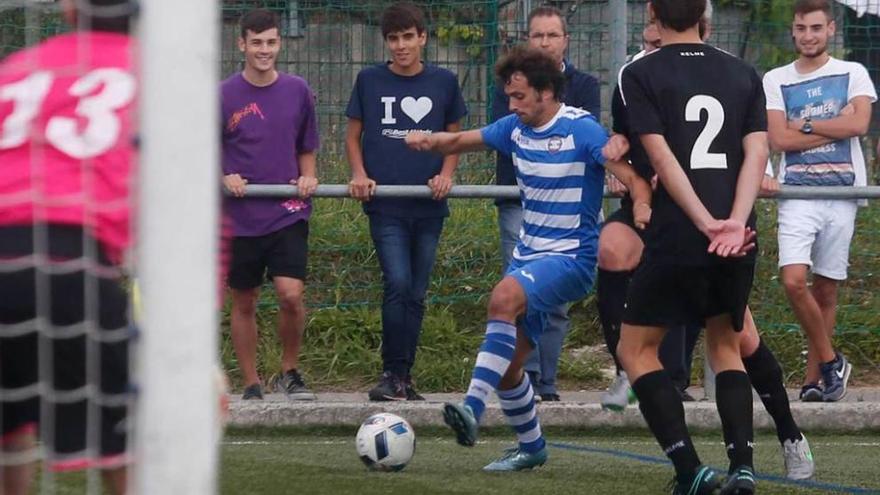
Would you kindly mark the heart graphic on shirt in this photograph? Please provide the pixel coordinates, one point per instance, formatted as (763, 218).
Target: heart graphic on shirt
(416, 109)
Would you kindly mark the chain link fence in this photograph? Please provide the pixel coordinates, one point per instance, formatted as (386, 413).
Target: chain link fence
(329, 41)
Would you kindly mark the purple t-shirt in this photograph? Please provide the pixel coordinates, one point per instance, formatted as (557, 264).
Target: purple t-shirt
(264, 130)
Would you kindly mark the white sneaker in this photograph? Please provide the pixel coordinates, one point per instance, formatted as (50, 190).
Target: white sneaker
(619, 394)
(798, 459)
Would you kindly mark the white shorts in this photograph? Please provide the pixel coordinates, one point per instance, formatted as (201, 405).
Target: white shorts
(817, 233)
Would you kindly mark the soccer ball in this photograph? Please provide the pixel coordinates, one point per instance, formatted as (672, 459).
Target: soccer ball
(385, 442)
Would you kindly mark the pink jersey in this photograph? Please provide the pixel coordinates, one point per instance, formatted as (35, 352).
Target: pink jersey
(67, 148)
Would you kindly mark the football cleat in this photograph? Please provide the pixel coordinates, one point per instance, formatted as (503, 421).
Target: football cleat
(461, 419)
(517, 460)
(706, 482)
(741, 482)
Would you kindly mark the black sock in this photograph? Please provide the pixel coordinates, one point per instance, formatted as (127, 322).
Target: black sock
(766, 377)
(611, 290)
(661, 406)
(733, 396)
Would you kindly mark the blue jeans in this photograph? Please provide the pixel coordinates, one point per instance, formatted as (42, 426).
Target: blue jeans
(406, 249)
(543, 362)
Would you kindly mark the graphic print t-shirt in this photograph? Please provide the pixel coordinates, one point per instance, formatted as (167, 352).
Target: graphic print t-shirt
(390, 106)
(821, 95)
(560, 172)
(264, 130)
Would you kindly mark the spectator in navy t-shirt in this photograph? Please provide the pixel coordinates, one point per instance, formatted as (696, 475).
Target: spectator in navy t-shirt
(388, 101)
(548, 32)
(270, 136)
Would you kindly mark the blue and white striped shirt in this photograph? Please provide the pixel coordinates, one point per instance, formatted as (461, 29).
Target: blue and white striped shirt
(560, 173)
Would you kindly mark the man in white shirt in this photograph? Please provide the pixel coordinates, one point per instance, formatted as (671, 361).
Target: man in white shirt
(817, 108)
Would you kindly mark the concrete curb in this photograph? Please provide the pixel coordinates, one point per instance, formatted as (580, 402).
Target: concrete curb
(856, 414)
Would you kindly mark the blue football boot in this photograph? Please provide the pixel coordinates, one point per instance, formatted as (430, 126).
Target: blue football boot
(517, 460)
(461, 419)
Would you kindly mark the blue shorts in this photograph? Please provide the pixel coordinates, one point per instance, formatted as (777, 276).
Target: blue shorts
(550, 282)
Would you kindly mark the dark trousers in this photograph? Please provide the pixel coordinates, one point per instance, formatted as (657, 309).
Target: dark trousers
(677, 352)
(406, 249)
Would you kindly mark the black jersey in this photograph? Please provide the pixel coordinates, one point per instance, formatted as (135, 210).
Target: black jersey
(704, 101)
(637, 156)
(620, 124)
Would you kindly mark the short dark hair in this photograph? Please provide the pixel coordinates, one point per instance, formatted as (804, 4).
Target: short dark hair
(116, 16)
(804, 7)
(679, 15)
(401, 16)
(541, 71)
(257, 21)
(547, 11)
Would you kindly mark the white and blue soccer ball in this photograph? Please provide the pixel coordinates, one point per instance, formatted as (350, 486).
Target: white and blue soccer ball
(386, 442)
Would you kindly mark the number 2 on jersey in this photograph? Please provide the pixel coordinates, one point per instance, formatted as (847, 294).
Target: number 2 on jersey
(102, 128)
(700, 156)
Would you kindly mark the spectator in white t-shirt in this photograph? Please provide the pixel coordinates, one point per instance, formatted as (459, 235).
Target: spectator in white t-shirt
(817, 108)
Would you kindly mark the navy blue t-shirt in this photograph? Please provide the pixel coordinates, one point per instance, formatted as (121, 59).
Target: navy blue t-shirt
(581, 91)
(390, 106)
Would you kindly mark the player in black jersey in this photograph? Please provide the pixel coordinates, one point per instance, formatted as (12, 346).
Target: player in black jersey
(697, 112)
(625, 245)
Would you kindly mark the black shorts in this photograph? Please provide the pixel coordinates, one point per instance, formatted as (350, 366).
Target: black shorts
(283, 253)
(662, 295)
(87, 339)
(624, 215)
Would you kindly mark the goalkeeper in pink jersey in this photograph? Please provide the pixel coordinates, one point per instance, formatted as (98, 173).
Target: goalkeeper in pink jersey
(66, 145)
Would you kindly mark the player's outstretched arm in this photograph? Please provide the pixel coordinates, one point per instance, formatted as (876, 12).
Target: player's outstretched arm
(616, 148)
(853, 121)
(675, 181)
(784, 138)
(447, 143)
(639, 190)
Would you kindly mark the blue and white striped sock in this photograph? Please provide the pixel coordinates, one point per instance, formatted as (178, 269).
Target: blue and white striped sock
(518, 405)
(492, 362)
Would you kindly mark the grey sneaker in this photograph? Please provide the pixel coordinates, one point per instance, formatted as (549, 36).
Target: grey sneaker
(798, 459)
(292, 385)
(252, 392)
(619, 394)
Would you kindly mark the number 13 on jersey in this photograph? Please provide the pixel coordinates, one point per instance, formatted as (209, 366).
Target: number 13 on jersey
(99, 95)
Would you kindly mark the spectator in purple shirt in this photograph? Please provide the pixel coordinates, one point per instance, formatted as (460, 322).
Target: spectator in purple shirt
(270, 136)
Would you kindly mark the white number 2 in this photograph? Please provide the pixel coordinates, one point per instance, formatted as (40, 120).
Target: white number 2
(102, 128)
(700, 156)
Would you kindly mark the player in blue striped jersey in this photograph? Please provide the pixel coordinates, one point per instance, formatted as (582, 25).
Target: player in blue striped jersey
(557, 152)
